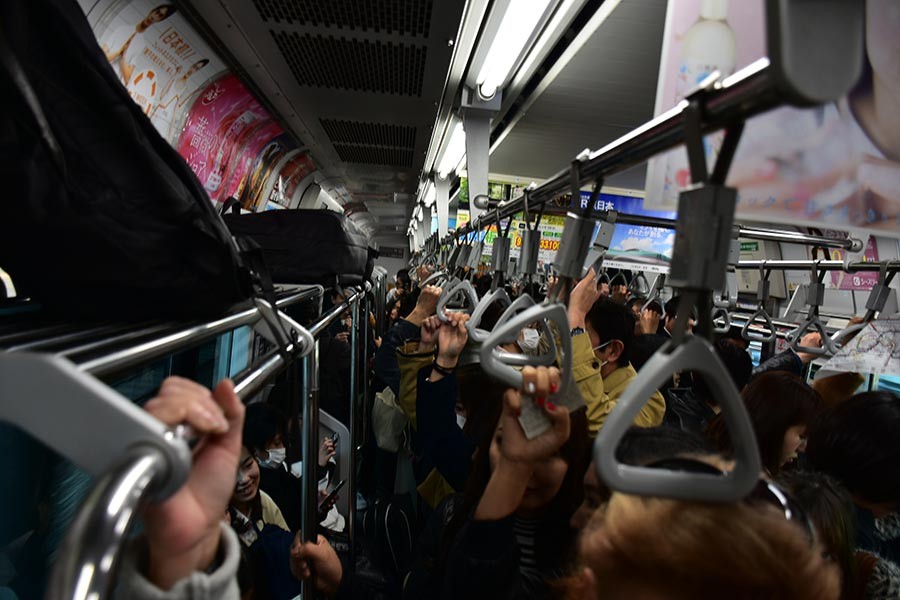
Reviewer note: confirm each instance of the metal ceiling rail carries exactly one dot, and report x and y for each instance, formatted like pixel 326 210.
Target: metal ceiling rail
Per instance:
pixel 749 92
pixel 820 265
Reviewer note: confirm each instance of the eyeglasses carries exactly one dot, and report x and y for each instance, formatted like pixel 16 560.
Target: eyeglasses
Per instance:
pixel 765 491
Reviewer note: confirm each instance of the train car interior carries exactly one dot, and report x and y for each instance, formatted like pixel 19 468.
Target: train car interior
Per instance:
pixel 450 299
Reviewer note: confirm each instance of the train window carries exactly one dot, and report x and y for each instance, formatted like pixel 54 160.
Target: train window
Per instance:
pixel 888 383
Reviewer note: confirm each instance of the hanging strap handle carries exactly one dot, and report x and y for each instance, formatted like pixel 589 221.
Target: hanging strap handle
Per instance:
pixel 655 290
pixel 498 295
pixel 876 302
pixel 465 290
pixel 697 355
pixel 815 296
pixel 762 297
pixel 501 364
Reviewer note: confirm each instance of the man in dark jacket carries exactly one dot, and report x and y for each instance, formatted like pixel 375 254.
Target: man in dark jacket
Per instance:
pixel 789 360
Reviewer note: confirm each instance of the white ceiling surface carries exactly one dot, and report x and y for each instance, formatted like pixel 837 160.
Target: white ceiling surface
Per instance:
pixel 340 49
pixel 606 90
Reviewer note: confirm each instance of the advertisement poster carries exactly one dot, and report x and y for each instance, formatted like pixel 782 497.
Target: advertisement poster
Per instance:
pixel 840 280
pixel 838 164
pixel 286 183
pixel 246 156
pixel 158 56
pixel 635 247
pixel 263 165
pixel 221 117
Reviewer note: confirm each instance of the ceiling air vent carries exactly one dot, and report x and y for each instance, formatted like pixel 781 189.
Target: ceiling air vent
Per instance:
pixel 359 65
pixel 371 143
pixel 400 17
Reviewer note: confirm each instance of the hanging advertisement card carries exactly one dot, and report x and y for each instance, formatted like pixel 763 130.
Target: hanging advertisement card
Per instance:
pixel 837 164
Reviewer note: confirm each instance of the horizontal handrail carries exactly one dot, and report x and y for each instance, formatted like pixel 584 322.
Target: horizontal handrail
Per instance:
pixel 333 313
pixel 821 265
pixel 184 338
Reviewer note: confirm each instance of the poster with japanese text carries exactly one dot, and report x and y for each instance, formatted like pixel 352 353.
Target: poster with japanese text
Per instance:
pixel 836 164
pixel 157 55
pixel 221 118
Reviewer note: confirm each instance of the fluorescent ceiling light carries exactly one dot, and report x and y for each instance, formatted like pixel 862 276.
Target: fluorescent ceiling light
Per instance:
pixel 430 195
pixel 454 151
pixel 516 28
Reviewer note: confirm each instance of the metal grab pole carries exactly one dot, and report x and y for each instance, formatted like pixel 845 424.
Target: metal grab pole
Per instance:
pixel 309 516
pixel 364 371
pixel 821 265
pixel 354 430
pixel 91 550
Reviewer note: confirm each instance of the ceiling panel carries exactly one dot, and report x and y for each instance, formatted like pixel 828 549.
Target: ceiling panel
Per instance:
pixel 358 81
pixel 606 90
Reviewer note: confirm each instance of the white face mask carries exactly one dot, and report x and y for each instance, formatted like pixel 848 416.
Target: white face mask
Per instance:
pixel 600 347
pixel 276 457
pixel 460 421
pixel 529 340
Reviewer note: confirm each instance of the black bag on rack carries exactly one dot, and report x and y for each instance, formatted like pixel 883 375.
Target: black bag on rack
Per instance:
pixel 102 218
pixel 308 246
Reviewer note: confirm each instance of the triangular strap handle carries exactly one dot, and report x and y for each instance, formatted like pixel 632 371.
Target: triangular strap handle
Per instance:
pixel 498 295
pixel 520 305
pixel 435 278
pixel 697 355
pixel 639 285
pixel 812 323
pixel 722 313
pixel 655 290
pixel 501 364
pixel 463 288
pixel 752 336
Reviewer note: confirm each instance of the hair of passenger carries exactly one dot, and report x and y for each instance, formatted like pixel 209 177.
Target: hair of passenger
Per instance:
pixel 775 402
pixel 408 303
pixel 830 508
pixel 403 276
pixel 643 347
pixel 738 364
pixel 261 422
pixel 671 307
pixel 857 442
pixel 644 445
pixel 635 300
pixel 612 321
pixel 682 550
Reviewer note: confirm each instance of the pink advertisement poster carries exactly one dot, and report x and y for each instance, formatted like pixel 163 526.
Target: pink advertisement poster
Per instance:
pixel 836 165
pixel 239 169
pixel 252 196
pixel 840 280
pixel 223 114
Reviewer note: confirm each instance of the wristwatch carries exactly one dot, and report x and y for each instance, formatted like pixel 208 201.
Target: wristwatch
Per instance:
pixel 576 331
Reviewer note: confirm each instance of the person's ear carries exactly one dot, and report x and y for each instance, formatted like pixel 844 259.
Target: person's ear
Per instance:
pixel 615 349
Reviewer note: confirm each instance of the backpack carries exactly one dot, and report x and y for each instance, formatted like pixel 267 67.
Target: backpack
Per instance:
pixel 388 527
pixel 103 218
pixel 308 246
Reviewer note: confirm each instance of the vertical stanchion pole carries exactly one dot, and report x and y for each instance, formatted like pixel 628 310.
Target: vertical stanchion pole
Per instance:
pixel 309 519
pixel 364 371
pixel 354 433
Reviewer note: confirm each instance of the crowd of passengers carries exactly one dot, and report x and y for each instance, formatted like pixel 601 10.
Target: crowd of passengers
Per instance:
pixel 498 515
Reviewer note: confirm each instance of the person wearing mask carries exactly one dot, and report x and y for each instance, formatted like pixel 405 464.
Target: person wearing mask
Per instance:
pixel 857 442
pixel 781 406
pixel 406 330
pixel 602 333
pixel 264 434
